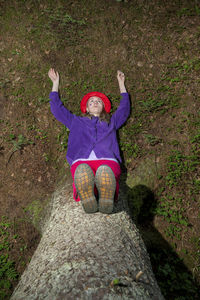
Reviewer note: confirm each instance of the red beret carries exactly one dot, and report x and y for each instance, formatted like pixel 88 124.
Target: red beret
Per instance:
pixel 106 101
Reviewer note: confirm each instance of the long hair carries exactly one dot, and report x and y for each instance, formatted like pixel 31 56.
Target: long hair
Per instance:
pixel 104 116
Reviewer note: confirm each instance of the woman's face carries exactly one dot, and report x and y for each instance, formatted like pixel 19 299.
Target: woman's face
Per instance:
pixel 95 106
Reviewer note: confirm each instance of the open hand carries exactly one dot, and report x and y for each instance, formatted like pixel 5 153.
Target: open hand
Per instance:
pixel 120 76
pixel 53 75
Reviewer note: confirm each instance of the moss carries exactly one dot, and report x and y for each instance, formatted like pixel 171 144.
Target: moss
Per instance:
pixel 145 174
pixel 36 211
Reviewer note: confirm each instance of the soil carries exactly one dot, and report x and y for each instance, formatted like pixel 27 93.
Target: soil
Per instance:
pixel 150 43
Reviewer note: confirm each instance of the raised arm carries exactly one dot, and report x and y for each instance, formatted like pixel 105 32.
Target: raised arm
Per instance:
pixel 54 76
pixel 121 114
pixel 60 112
pixel 121 81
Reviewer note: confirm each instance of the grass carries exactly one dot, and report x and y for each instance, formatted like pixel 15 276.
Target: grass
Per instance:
pixel 14 252
pixel 18 144
pixel 179 166
pixel 86 38
pixel 8 272
pixel 172 276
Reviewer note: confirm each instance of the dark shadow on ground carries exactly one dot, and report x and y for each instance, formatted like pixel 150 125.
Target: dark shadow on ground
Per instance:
pixel 173 277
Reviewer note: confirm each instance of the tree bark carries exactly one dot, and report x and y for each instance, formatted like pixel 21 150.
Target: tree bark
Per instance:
pixel 88 256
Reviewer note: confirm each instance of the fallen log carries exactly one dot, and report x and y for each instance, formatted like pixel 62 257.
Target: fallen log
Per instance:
pixel 88 256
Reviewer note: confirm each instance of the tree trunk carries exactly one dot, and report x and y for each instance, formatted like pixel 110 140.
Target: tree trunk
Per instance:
pixel 88 256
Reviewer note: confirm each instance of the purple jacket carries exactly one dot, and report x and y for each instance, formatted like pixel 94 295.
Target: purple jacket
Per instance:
pixel 91 134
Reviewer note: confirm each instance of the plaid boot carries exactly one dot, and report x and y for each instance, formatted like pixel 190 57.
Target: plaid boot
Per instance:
pixel 84 182
pixel 106 184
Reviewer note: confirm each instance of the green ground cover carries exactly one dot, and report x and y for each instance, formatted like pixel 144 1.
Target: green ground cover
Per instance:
pixel 156 44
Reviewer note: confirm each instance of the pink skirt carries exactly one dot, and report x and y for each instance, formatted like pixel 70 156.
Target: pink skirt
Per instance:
pixel 94 165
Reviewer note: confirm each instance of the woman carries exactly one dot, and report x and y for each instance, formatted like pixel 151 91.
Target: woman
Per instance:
pixel 93 150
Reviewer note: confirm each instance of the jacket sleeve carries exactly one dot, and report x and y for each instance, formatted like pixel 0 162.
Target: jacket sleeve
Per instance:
pixel 60 112
pixel 123 111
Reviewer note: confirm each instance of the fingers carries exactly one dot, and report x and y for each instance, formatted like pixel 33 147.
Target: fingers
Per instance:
pixel 120 75
pixel 53 75
pixel 51 72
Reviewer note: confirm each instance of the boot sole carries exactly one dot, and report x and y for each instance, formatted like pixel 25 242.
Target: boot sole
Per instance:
pixel 106 184
pixel 84 182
